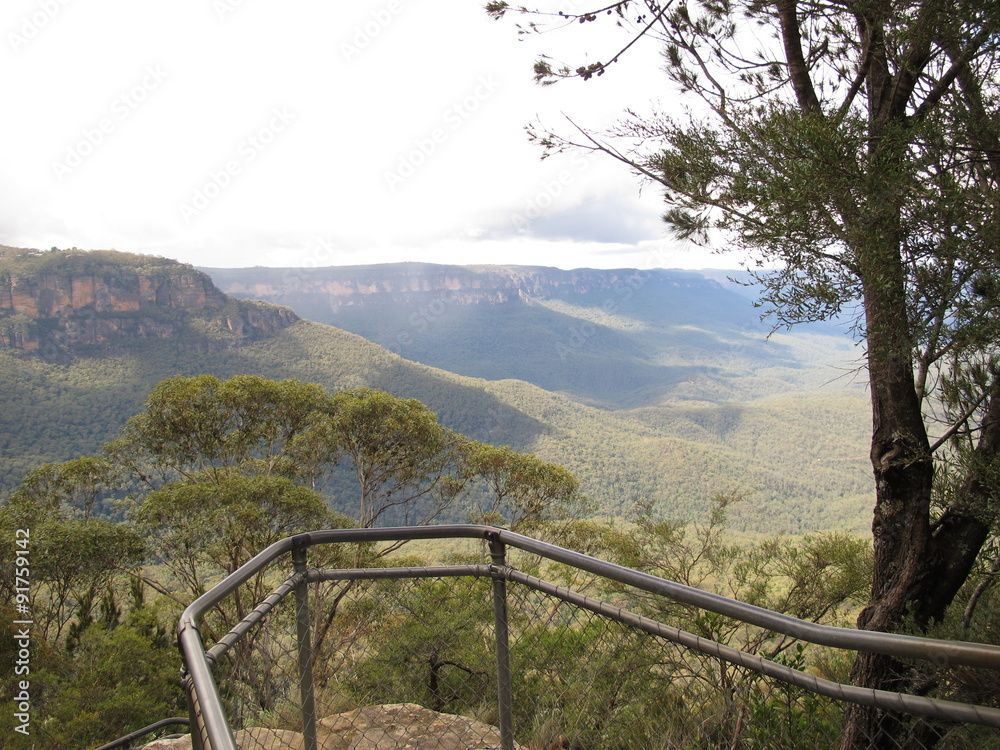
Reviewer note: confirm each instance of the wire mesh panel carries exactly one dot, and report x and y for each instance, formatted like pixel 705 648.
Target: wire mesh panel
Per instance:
pixel 586 680
pixel 413 661
pixel 257 676
pixel 582 681
pixel 397 664
pixel 424 641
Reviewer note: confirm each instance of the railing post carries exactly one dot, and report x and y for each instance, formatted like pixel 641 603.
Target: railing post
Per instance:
pixel 305 645
pixel 504 695
pixel 194 713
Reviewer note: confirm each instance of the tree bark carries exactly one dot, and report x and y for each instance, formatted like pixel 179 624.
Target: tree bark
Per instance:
pixel 903 471
pixel 919 567
pixel 914 575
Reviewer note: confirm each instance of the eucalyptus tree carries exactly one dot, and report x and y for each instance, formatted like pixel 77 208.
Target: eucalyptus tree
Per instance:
pixel 211 472
pixel 851 148
pixel 407 464
pixel 201 428
pixel 522 490
pixel 216 471
pixel 410 469
pixel 57 556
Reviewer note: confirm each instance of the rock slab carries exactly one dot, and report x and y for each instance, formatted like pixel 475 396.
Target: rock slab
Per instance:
pixel 399 726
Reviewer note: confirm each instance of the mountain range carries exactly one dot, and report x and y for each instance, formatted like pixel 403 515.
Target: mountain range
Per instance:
pixel 658 389
pixel 610 338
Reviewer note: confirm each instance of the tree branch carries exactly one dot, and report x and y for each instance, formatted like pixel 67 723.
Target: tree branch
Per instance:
pixel 798 70
pixel 964 419
pixel 984 584
pixel 958 64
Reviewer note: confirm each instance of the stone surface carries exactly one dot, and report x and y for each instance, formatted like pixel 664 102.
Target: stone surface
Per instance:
pixel 86 299
pixel 404 726
pixel 180 743
pixel 399 726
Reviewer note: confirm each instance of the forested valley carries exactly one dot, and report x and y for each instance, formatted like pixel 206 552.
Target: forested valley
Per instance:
pixel 212 471
pixel 158 434
pixel 156 456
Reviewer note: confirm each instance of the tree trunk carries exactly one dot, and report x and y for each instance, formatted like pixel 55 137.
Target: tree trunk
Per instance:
pixel 918 567
pixel 901 462
pixel 962 530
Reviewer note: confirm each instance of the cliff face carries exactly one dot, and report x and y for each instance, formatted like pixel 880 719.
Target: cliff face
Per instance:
pixel 347 287
pixel 70 298
pixel 55 296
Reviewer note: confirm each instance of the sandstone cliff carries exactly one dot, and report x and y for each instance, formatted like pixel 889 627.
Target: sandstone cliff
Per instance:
pixel 59 300
pixel 377 286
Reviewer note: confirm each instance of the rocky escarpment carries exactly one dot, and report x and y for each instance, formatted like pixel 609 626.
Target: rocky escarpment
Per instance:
pixel 59 300
pixel 341 288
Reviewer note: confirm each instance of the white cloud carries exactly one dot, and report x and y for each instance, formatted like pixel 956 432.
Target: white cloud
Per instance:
pixel 398 134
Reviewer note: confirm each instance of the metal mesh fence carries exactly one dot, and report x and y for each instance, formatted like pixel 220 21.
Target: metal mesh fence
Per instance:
pixel 412 663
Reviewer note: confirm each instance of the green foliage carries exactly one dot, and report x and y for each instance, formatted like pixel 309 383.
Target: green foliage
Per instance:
pixel 72 558
pixel 26 263
pixel 819 577
pixel 428 648
pixel 581 680
pixel 855 166
pixel 72 488
pixel 246 424
pixel 200 530
pixel 781 715
pixel 215 467
pixel 796 451
pixel 618 339
pixel 119 677
pixel 587 684
pixel 524 490
pixel 213 471
pixel 405 462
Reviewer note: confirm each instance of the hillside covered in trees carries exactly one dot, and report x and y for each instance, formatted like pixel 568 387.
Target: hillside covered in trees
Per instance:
pixel 155 465
pixel 799 454
pixel 209 472
pixel 205 476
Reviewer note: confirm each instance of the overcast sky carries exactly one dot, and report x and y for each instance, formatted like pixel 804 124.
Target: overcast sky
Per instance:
pixel 252 132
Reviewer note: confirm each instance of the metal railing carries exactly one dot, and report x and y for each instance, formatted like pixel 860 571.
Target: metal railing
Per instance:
pixel 211 726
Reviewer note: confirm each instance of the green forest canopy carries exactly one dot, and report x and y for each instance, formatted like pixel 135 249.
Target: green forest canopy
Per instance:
pixel 211 471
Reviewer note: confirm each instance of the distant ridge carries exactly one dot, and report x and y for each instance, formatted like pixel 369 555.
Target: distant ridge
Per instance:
pixel 614 338
pixel 374 285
